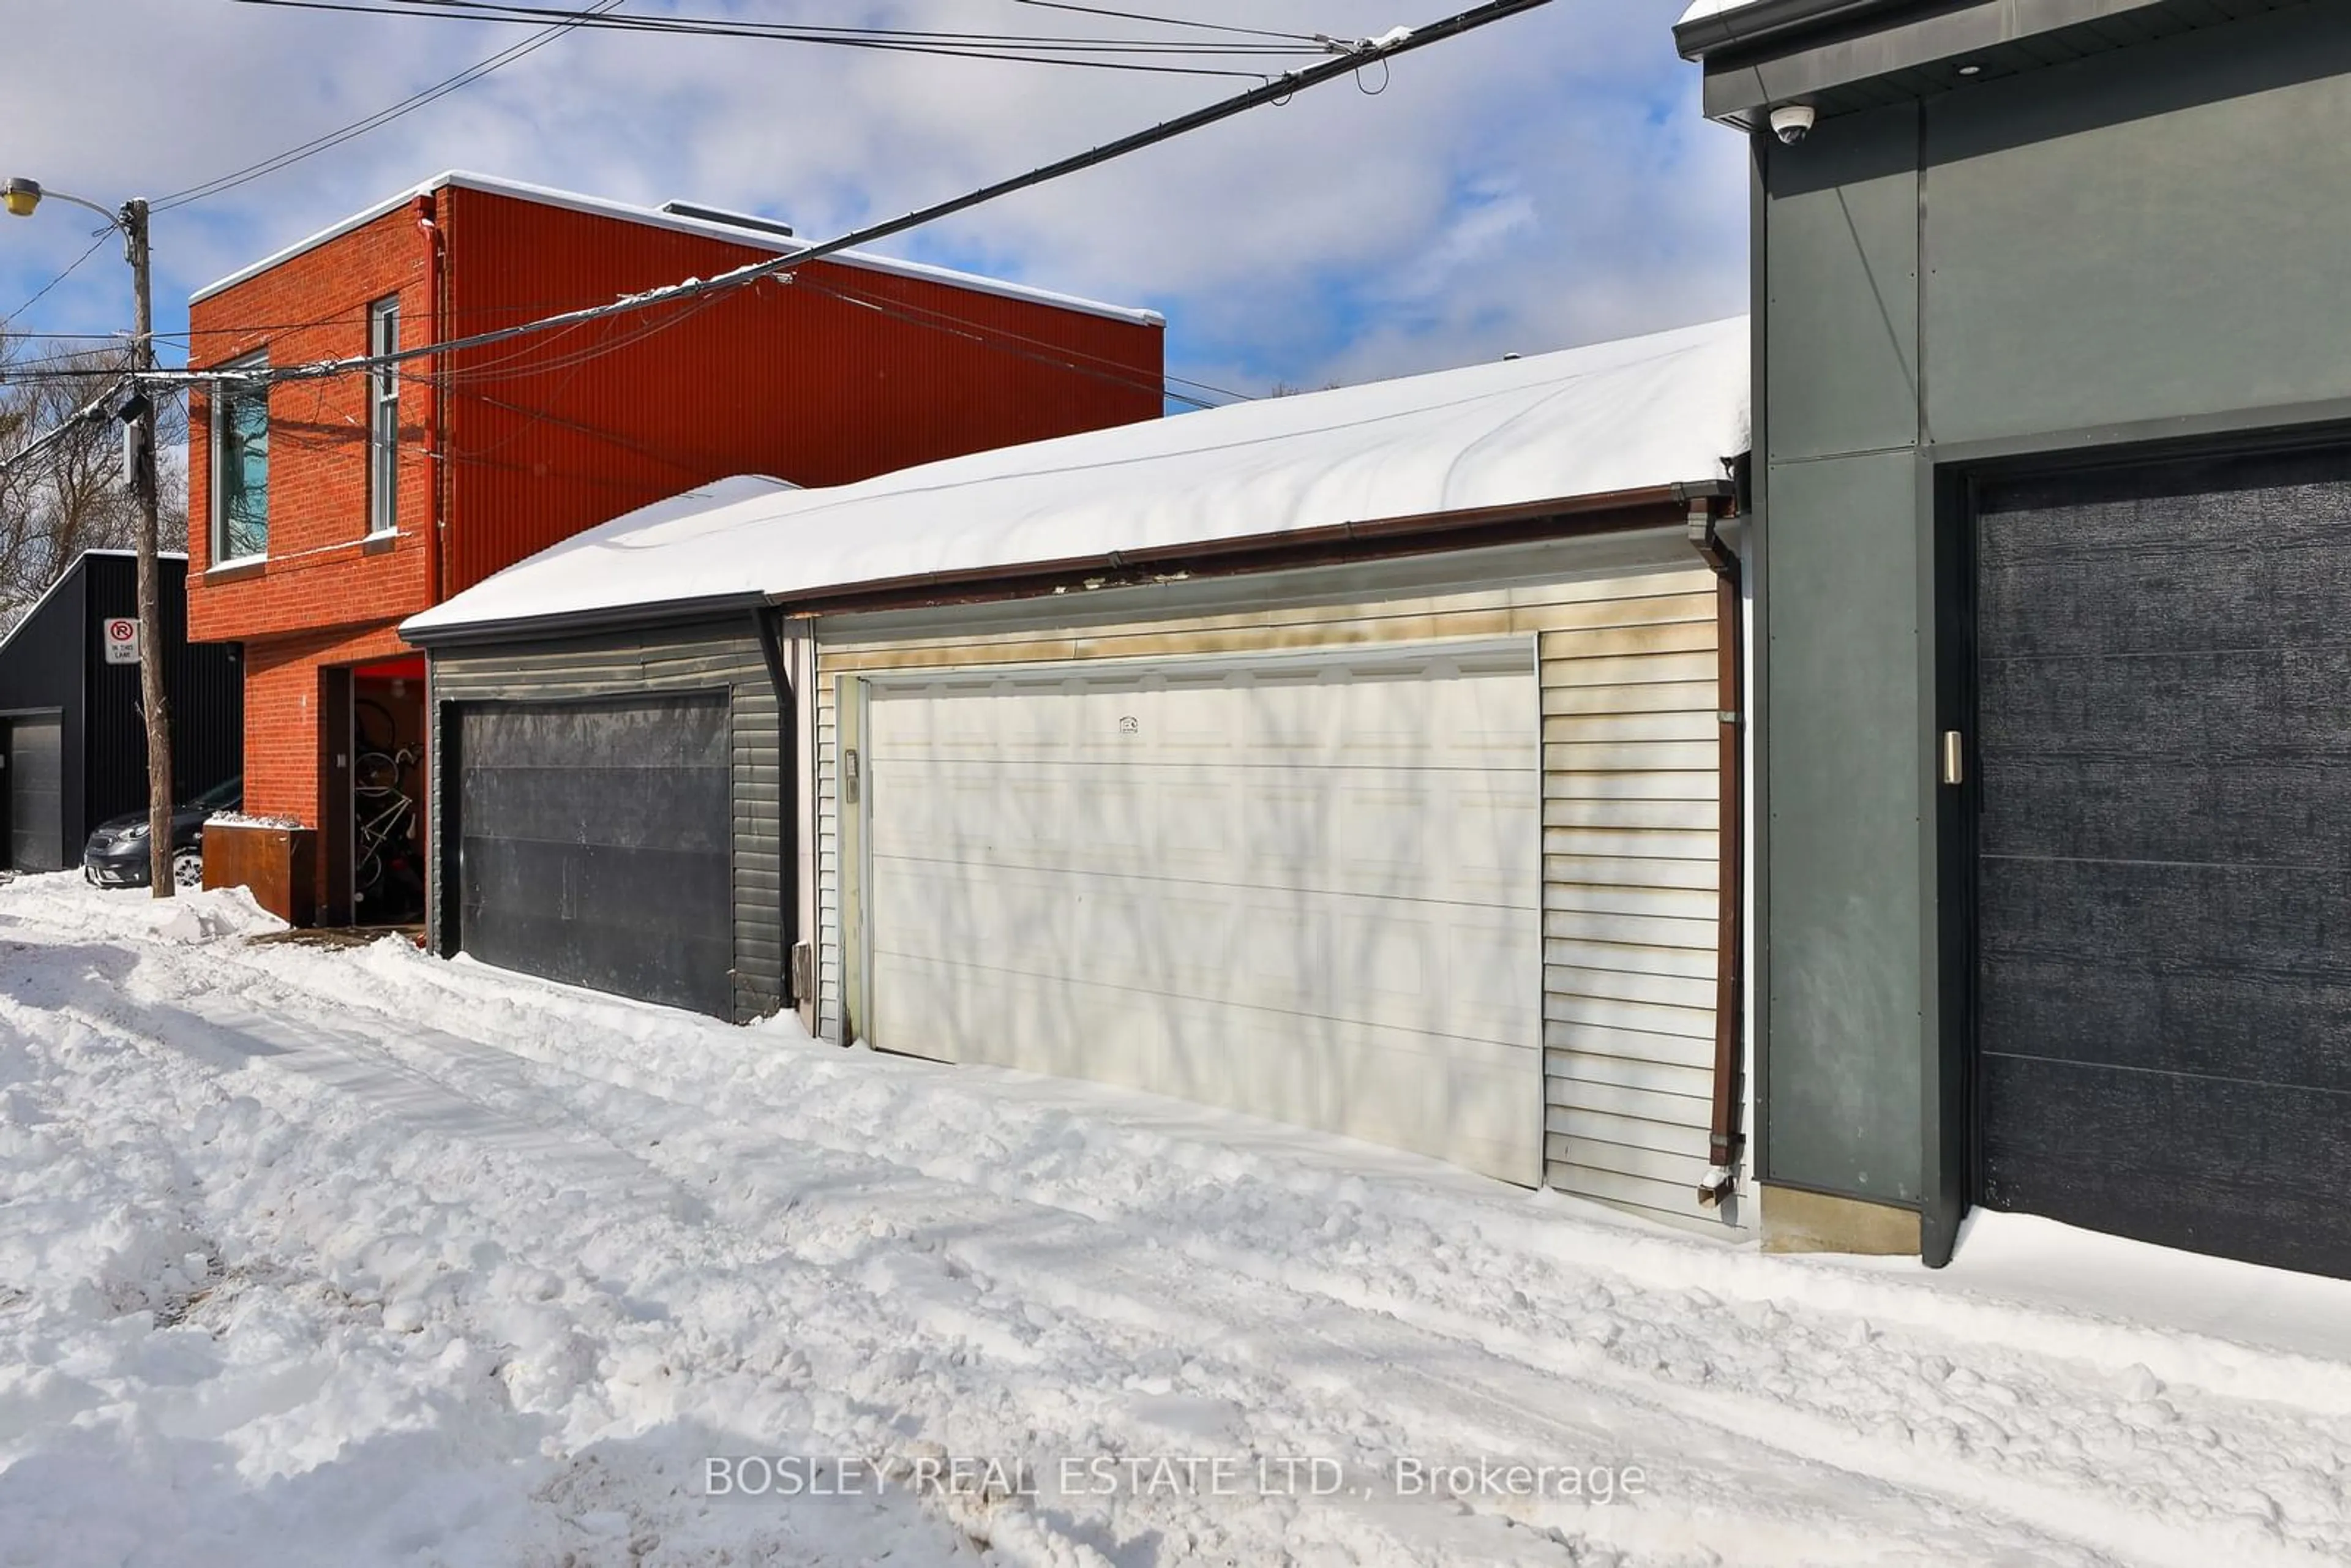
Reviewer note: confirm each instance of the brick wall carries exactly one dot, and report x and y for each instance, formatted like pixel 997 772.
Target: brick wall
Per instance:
pixel 854 373
pixel 320 574
pixel 282 693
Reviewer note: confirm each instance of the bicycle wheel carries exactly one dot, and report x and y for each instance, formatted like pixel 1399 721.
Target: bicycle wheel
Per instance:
pixel 376 772
pixel 372 727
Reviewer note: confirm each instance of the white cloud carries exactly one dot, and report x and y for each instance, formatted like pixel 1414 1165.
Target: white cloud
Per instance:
pixel 1548 180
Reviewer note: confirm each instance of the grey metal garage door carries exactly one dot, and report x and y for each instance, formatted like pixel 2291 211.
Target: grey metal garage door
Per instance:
pixel 2164 875
pixel 593 844
pixel 35 794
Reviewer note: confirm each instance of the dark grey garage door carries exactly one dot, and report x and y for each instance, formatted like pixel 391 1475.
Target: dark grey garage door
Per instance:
pixel 2164 937
pixel 35 794
pixel 593 843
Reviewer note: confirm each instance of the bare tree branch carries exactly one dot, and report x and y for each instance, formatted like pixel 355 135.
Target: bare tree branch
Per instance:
pixel 74 497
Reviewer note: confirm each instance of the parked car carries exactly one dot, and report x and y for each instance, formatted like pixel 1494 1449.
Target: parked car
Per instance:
pixel 116 855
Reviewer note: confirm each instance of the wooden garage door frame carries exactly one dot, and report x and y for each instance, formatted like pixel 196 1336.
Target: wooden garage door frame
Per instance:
pixel 850 705
pixel 1959 1123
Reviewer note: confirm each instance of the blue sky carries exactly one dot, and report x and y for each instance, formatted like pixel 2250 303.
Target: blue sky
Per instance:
pixel 1545 182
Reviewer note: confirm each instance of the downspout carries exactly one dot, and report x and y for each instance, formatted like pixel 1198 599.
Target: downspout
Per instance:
pixel 438 881
pixel 1725 1140
pixel 436 438
pixel 788 786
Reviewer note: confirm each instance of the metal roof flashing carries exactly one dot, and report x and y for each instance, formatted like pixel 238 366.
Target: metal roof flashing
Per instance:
pixel 1712 26
pixel 1839 56
pixel 653 217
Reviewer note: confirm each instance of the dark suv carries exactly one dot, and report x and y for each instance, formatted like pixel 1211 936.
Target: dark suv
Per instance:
pixel 116 855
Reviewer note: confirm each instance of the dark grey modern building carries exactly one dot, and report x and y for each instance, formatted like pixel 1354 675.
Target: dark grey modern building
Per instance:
pixel 73 744
pixel 2054 468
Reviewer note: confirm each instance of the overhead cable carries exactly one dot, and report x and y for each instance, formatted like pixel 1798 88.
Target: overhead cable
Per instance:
pixel 382 116
pixel 1093 53
pixel 1400 41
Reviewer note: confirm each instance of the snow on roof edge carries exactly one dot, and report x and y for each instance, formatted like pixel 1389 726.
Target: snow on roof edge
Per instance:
pixel 1635 415
pixel 601 206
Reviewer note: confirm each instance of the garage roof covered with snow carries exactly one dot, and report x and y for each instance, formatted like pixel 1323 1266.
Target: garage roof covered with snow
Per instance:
pixel 1624 418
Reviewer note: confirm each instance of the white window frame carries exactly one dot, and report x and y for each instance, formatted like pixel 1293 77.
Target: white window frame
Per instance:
pixel 221 394
pixel 383 421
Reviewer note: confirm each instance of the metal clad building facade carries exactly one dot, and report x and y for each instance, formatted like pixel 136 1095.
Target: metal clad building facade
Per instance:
pixel 2049 404
pixel 505 449
pixel 845 371
pixel 52 669
pixel 201 683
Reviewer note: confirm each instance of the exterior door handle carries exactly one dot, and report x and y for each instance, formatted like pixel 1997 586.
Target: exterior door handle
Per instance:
pixel 1955 765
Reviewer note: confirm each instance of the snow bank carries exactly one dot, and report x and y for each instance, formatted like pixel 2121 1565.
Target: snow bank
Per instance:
pixel 1614 417
pixel 362 1257
pixel 65 901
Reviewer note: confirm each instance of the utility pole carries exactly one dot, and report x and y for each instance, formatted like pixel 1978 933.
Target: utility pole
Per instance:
pixel 152 698
pixel 20 196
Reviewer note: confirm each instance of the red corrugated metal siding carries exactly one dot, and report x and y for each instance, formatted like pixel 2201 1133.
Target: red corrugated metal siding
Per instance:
pixel 805 380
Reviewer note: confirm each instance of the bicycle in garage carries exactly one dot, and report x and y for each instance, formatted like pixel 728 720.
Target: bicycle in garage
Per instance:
pixel 387 862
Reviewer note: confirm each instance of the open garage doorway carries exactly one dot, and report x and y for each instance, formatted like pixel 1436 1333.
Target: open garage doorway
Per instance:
pixel 385 844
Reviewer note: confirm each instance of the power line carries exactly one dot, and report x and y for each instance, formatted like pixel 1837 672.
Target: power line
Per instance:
pixel 1402 40
pixel 1033 350
pixel 1079 53
pixel 1177 21
pixel 383 117
pixel 510 10
pixel 64 428
pixel 63 367
pixel 75 266
pixel 1399 41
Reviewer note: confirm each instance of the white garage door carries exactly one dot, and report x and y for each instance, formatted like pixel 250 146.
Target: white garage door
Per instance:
pixel 1307 890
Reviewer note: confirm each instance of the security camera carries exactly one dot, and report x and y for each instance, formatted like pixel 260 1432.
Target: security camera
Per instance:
pixel 1791 122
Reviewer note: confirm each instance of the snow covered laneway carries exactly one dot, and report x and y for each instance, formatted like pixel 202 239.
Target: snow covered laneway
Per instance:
pixel 359 1257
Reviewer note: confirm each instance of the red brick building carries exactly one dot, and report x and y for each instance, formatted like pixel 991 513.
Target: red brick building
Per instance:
pixel 323 512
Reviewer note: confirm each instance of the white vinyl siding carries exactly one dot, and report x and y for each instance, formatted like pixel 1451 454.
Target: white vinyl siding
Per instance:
pixel 1627 726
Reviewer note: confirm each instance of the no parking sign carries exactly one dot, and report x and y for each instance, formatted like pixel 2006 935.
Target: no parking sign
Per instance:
pixel 121 635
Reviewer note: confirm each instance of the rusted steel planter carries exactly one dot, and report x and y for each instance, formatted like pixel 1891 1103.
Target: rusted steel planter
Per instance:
pixel 278 865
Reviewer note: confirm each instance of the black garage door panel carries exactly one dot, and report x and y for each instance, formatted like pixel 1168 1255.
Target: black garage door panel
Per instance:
pixel 2225 986
pixel 594 842
pixel 2164 881
pixel 2248 1170
pixel 683 808
pixel 36 794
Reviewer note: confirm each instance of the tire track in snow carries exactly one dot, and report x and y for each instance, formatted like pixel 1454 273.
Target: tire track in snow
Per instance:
pixel 2155 1463
pixel 1221 1291
pixel 1471 1402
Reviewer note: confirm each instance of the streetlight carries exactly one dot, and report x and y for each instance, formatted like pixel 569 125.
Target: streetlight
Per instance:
pixel 21 196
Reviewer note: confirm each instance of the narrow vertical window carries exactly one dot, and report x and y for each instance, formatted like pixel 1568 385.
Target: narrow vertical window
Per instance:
pixel 383 420
pixel 241 465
